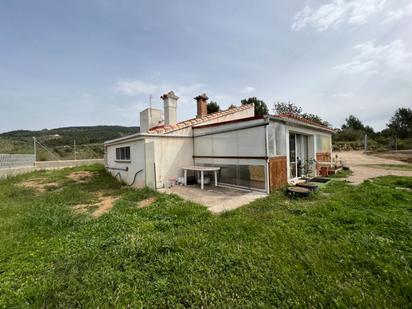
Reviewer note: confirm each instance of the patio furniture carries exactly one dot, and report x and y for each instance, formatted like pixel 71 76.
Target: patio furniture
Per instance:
pixel 201 169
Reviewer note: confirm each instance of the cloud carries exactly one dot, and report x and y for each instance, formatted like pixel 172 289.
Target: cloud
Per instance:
pixel 336 12
pixel 135 87
pixel 248 89
pixel 399 13
pixel 140 87
pixel 372 58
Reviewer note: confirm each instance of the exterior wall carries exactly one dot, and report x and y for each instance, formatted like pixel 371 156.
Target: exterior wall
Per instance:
pixel 278 144
pixel 137 162
pixel 171 154
pixel 149 118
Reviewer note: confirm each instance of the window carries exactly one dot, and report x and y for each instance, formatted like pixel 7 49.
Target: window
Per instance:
pixel 123 154
pixel 249 176
pixel 323 143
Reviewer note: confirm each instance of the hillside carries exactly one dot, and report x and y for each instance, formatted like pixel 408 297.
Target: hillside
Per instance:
pixel 60 141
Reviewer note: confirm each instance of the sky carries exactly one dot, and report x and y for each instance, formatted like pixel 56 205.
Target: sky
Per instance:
pixel 91 62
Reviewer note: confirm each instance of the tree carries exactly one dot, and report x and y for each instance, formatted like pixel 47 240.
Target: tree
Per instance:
pixel 289 108
pixel 260 106
pixel 213 107
pixel 282 108
pixel 353 122
pixel 400 124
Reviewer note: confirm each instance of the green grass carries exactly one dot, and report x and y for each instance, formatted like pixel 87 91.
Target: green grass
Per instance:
pixel 399 167
pixel 347 246
pixel 341 174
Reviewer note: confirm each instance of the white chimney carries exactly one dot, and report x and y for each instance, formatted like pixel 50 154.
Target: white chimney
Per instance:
pixel 170 105
pixel 149 118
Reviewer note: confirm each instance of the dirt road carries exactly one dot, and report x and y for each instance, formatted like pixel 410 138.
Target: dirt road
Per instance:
pixel 358 163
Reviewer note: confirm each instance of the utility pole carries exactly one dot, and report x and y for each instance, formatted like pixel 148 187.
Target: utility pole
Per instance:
pixel 34 149
pixel 74 148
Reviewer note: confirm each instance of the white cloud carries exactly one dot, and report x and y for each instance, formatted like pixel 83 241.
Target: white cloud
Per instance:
pixel 248 89
pixel 372 58
pixel 135 87
pixel 336 12
pixel 398 13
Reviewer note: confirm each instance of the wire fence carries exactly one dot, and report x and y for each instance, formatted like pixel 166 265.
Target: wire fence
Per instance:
pixel 16 160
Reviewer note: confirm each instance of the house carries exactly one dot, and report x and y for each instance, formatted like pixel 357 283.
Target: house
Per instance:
pixel 255 152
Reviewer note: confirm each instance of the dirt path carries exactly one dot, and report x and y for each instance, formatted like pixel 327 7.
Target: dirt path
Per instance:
pixel 358 162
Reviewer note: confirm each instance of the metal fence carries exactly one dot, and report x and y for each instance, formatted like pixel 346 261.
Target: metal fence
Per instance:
pixel 16 160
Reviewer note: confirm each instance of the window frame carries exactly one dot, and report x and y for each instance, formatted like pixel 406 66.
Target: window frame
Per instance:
pixel 123 154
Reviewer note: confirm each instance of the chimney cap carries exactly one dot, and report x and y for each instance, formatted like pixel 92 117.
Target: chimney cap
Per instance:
pixel 170 94
pixel 202 96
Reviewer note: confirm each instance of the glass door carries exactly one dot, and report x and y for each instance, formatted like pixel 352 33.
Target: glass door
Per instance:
pixel 298 154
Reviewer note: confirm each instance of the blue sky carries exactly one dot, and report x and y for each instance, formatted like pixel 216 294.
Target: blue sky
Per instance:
pixel 89 62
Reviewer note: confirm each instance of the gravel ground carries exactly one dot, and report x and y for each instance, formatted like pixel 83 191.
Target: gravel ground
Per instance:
pixel 357 161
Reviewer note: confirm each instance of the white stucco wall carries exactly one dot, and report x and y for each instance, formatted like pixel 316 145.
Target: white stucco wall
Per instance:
pixel 137 162
pixel 171 154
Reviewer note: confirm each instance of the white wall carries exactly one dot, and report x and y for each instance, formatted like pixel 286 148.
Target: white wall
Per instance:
pixel 137 162
pixel 171 154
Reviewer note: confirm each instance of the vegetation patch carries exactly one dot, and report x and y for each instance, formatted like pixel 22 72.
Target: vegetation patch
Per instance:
pixel 81 176
pixel 346 246
pixel 398 167
pixel 38 185
pixel 341 174
pixel 147 202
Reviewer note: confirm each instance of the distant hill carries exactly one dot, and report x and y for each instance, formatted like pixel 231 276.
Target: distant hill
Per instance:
pixel 60 141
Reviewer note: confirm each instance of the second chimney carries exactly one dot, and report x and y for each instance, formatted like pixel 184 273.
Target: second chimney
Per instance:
pixel 170 105
pixel 201 105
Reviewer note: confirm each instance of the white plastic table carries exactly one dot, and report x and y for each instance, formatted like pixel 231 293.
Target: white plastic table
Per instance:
pixel 201 169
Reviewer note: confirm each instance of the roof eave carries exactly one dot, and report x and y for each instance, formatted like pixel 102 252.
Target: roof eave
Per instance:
pixel 293 121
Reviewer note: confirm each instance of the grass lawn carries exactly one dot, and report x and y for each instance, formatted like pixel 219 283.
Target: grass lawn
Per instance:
pixel 399 167
pixel 347 246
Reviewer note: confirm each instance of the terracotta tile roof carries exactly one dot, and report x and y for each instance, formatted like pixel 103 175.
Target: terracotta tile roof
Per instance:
pixel 196 121
pixel 303 120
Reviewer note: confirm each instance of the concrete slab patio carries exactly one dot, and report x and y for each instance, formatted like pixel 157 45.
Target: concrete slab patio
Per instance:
pixel 216 199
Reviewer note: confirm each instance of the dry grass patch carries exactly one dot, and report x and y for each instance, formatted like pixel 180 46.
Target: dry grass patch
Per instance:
pixel 147 202
pixel 82 176
pixel 104 204
pixel 38 185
